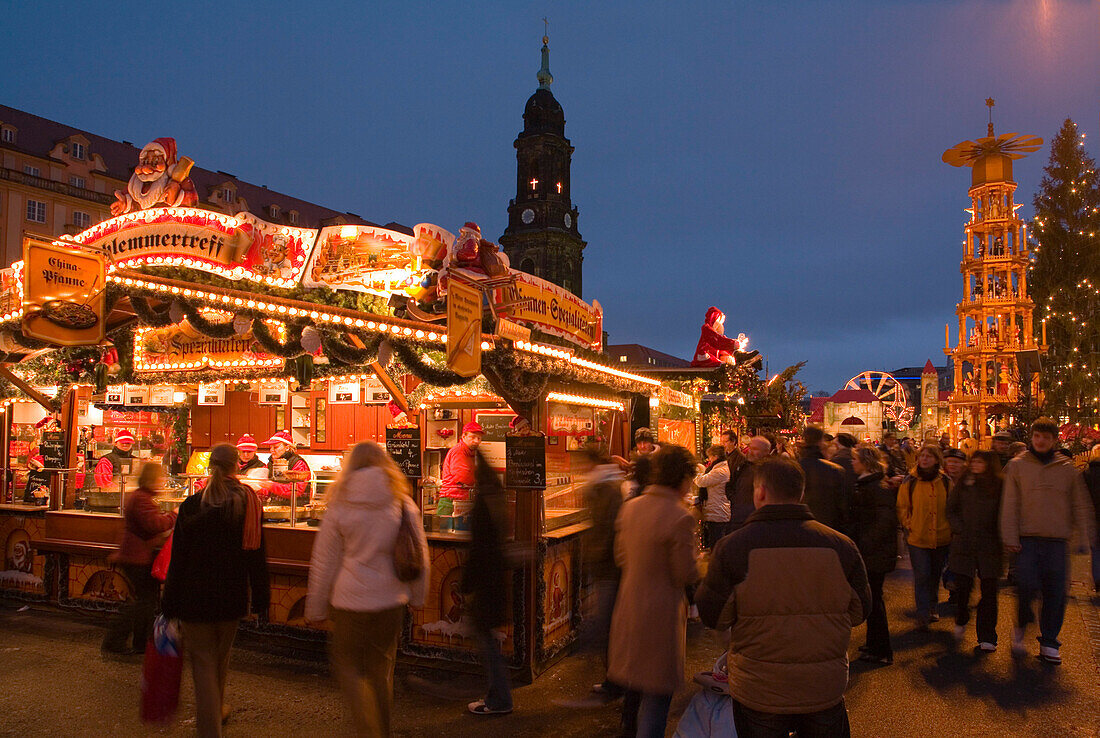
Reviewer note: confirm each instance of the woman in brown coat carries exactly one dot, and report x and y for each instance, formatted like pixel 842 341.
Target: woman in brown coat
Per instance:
pixel 655 549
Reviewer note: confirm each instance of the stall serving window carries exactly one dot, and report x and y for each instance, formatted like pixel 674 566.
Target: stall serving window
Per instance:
pixel 569 428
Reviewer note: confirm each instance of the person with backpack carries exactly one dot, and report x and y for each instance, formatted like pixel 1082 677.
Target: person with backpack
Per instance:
pixel 922 512
pixel 354 583
pixel 973 511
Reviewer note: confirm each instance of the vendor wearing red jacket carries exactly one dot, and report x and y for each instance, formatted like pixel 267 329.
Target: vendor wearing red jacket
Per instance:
pixel 282 447
pixel 458 466
pixel 247 447
pixel 111 462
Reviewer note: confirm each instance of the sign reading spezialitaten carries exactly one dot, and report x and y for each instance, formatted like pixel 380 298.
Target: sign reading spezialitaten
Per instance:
pixel 551 309
pixel 63 295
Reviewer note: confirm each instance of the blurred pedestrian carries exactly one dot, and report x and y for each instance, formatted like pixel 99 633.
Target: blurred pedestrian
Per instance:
pixel 353 582
pixel 218 561
pixel 1092 481
pixel 973 510
pixel 896 465
pixel 603 499
pixel 954 464
pixel 790 590
pixel 711 481
pixel 741 466
pixel 845 443
pixel 1045 499
pixel 484 577
pixel 825 493
pixel 1002 441
pixel 143 527
pixel 655 549
pixel 922 511
pixel 875 523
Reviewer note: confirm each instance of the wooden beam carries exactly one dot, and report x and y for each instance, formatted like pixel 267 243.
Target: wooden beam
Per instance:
pixel 31 392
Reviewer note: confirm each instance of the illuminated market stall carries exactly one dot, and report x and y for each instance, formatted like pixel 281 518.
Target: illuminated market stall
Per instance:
pixel 168 330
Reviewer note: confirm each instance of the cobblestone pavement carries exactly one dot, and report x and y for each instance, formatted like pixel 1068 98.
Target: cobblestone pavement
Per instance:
pixel 54 682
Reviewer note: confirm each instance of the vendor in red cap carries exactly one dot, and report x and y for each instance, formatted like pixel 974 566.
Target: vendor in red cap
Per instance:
pixel 283 447
pixel 111 462
pixel 246 448
pixel 458 466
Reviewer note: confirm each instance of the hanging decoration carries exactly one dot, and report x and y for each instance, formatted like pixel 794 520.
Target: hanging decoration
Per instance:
pixel 311 340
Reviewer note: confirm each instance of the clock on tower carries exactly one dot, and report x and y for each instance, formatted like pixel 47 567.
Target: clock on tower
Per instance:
pixel 542 236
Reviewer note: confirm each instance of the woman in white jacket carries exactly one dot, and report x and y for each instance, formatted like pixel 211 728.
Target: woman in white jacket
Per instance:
pixel 353 584
pixel 716 511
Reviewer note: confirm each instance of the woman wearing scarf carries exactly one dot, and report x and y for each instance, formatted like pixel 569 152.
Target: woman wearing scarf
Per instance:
pixel 217 559
pixel 922 511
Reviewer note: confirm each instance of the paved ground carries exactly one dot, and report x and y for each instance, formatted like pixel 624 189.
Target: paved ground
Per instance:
pixel 54 682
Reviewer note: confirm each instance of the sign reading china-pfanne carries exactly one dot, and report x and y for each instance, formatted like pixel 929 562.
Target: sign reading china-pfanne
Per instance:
pixel 544 305
pixel 63 295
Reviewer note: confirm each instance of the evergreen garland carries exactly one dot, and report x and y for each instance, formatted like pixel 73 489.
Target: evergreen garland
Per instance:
pixel 423 371
pixel 148 316
pixel 336 349
pixel 289 350
pixel 208 328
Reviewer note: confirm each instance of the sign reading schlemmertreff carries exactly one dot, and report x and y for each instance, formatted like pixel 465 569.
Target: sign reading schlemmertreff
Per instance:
pixel 63 295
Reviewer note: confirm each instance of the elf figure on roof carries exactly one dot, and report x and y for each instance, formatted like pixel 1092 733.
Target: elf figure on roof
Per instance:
pixel 283 447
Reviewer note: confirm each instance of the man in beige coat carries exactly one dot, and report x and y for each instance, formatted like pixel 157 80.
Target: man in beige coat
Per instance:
pixel 1044 499
pixel 655 549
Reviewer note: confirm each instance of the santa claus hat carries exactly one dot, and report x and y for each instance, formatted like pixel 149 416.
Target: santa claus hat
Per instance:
pixel 473 227
pixel 124 436
pixel 514 422
pixel 472 427
pixel 247 443
pixel 39 458
pixel 280 437
pixel 713 315
pixel 166 146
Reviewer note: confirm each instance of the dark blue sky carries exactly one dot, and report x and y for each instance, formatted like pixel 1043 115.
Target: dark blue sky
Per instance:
pixel 779 160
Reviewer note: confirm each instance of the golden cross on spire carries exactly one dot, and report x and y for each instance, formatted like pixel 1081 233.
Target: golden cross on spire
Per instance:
pixel 546 30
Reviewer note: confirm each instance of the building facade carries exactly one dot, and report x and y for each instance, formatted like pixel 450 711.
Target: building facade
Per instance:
pixel 542 236
pixel 57 180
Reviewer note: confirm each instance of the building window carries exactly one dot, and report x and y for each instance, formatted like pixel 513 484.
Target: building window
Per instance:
pixel 77 182
pixel 33 171
pixel 81 220
pixel 274 209
pixel 36 211
pixel 622 359
pixel 292 216
pixel 77 150
pixel 227 195
pixel 8 135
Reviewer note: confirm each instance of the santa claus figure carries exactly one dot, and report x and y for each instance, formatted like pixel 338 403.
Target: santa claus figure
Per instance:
pixel 714 347
pixel 158 179
pixel 471 251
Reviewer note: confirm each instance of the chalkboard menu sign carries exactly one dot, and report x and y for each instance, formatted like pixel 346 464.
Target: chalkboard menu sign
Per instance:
pixel 495 423
pixel 404 446
pixel 52 448
pixel 525 462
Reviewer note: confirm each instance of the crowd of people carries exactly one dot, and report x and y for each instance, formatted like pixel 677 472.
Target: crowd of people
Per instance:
pixel 795 544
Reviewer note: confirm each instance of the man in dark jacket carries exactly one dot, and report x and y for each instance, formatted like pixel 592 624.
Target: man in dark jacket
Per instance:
pixel 826 494
pixel 845 443
pixel 790 590
pixel 739 486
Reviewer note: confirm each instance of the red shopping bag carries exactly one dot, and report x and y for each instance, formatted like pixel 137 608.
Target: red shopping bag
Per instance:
pixel 160 563
pixel 160 673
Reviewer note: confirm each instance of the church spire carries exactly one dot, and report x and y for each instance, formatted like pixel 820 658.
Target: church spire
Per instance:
pixel 544 76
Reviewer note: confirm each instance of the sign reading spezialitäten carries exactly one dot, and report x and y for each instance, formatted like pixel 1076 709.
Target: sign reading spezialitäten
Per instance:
pixel 63 296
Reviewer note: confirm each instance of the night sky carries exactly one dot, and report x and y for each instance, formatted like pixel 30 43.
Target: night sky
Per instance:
pixel 778 160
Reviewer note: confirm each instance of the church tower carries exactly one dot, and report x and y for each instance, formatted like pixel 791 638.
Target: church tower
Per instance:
pixel 542 236
pixel 996 335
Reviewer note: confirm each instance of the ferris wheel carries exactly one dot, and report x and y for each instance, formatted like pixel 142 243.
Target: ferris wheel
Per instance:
pixel 889 391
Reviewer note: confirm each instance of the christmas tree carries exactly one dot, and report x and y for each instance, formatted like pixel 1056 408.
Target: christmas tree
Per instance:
pixel 1065 277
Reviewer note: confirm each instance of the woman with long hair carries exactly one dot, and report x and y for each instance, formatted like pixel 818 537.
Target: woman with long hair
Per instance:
pixel 353 582
pixel 711 481
pixel 922 511
pixel 974 511
pixel 875 520
pixel 144 522
pixel 218 559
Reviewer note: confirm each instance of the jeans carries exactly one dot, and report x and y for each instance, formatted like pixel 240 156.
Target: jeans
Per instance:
pixel 364 651
pixel 645 715
pixel 135 615
pixel 828 723
pixel 499 696
pixel 927 566
pixel 713 532
pixel 987 606
pixel 606 590
pixel 1041 570
pixel 878 631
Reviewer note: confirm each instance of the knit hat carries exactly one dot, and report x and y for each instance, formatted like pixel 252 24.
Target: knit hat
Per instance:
pixel 472 427
pixel 124 436
pixel 1003 435
pixel 954 453
pixel 247 443
pixel 280 437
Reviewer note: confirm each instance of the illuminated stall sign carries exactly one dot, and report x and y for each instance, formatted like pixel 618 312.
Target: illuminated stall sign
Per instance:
pixel 63 294
pixel 675 398
pixel 237 247
pixel 180 347
pixel 360 258
pixel 551 309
